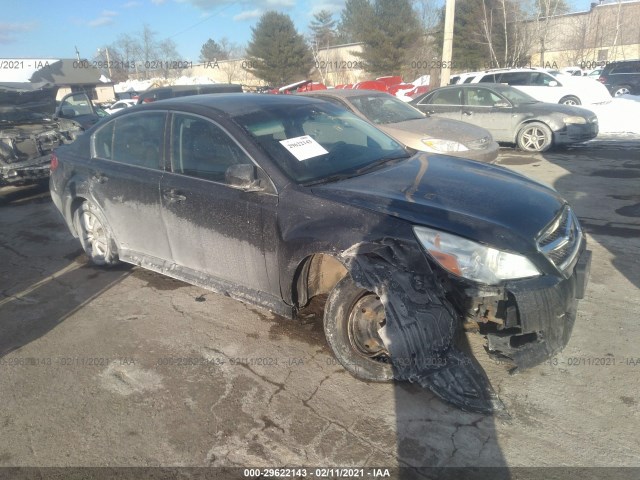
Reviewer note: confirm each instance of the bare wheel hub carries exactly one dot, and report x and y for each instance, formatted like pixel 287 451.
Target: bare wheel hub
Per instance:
pixel 365 318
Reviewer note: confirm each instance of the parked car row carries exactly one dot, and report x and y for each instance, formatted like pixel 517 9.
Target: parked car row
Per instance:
pixel 277 199
pixel 510 115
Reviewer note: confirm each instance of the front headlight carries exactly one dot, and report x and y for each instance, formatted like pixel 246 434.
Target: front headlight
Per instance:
pixel 438 145
pixel 575 120
pixel 472 260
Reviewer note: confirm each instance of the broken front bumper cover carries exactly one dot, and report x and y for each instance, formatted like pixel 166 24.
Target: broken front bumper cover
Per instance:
pixel 422 322
pixel 546 309
pixel 25 172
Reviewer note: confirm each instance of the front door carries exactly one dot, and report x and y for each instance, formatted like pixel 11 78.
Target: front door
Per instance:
pixel 214 228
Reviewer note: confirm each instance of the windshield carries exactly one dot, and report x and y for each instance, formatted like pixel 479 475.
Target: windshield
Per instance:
pixel 383 109
pixel 516 97
pixel 319 141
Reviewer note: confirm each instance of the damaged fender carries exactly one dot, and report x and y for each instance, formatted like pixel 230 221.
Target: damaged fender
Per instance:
pixel 421 325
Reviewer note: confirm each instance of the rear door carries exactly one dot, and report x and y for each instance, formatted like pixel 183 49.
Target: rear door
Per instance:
pixel 213 227
pixel 125 171
pixel 446 103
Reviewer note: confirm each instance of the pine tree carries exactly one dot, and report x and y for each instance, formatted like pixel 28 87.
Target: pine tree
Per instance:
pixel 211 51
pixel 278 53
pixel 323 29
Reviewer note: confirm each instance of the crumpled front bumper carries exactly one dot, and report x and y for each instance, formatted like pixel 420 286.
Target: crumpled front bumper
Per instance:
pixel 28 171
pixel 546 312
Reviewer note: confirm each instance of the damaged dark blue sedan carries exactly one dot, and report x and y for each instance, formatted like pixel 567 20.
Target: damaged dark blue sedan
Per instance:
pixel 275 200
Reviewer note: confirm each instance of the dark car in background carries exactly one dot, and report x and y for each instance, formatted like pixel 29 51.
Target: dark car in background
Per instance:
pixel 164 93
pixel 32 124
pixel 413 128
pixel 277 199
pixel 622 77
pixel 512 116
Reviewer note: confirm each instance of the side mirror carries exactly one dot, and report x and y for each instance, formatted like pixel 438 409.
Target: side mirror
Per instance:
pixel 553 83
pixel 502 104
pixel 243 176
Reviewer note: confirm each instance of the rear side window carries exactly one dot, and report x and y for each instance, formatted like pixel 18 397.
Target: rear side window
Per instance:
pixel 202 149
pixel 630 67
pixel 133 140
pixel 488 79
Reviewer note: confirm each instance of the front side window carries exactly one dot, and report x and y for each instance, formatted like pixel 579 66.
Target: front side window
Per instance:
pixel 132 139
pixel 447 97
pixel 481 97
pixel 200 148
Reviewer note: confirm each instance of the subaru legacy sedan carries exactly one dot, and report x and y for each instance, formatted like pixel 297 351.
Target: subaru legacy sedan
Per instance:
pixel 274 200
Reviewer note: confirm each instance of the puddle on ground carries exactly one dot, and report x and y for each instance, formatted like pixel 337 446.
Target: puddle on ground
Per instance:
pixel 629 210
pixel 158 281
pixel 615 173
pixel 518 160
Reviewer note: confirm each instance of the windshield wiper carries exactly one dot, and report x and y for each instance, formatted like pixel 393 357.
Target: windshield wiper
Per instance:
pixel 355 173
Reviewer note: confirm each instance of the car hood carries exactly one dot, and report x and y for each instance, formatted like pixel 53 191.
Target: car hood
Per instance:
pixel 481 202
pixel 433 127
pixel 542 108
pixel 22 103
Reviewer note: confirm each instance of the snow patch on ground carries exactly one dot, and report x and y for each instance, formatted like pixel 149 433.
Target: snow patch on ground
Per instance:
pixel 621 115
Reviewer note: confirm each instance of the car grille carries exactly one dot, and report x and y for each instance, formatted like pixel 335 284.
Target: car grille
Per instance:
pixel 480 143
pixel 560 241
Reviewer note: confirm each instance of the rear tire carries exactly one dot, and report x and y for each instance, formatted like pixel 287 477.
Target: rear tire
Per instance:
pixel 621 90
pixel 95 235
pixel 352 316
pixel 535 137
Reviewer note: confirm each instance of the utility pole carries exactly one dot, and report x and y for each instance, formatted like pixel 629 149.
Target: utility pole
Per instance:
pixel 447 44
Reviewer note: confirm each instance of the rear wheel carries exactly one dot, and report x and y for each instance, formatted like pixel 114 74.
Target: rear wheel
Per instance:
pixel 570 100
pixel 621 90
pixel 95 237
pixel 352 319
pixel 535 137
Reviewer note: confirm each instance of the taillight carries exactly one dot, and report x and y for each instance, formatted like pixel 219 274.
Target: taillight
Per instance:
pixel 54 162
pixel 602 79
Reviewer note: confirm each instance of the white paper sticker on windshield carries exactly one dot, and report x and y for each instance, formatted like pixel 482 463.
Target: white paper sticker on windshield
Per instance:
pixel 303 147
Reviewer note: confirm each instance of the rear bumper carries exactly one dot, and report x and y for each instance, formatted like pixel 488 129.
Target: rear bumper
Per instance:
pixel 546 312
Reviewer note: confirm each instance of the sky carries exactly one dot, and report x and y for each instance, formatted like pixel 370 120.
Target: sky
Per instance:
pixel 46 29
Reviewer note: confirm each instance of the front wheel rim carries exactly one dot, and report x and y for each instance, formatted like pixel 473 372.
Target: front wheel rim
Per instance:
pixel 534 139
pixel 365 318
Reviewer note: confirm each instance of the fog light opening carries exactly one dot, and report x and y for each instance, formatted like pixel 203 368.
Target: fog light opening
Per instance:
pixel 518 341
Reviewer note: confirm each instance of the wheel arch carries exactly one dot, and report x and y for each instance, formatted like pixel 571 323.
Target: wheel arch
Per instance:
pixel 316 274
pixel 524 123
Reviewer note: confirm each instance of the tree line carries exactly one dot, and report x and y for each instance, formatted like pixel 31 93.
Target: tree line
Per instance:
pixel 398 37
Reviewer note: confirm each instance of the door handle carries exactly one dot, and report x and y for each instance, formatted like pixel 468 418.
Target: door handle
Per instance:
pixel 174 195
pixel 99 177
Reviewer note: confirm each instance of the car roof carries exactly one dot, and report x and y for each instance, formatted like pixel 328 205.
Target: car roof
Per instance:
pixel 344 93
pixel 234 103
